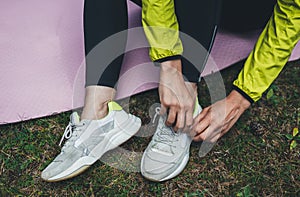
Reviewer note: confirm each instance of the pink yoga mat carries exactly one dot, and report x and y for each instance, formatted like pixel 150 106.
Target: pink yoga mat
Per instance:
pixel 41 58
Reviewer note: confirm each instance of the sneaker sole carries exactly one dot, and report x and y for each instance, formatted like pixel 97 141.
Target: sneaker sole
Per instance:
pixel 114 139
pixel 178 170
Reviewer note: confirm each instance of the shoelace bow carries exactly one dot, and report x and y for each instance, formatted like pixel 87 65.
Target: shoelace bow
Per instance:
pixel 71 131
pixel 164 136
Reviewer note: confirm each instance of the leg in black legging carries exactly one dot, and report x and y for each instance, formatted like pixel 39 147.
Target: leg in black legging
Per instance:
pixel 241 16
pixel 198 19
pixel 101 20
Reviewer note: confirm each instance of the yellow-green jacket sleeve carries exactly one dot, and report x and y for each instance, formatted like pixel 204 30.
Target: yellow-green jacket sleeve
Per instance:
pixel 161 28
pixel 272 50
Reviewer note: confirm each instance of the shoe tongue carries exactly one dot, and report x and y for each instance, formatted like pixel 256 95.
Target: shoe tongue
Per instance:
pixel 74 118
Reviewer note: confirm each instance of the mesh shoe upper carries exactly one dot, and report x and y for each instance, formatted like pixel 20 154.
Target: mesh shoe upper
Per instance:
pixel 88 140
pixel 167 153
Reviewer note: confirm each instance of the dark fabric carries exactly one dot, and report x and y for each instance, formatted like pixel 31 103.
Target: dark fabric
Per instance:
pixel 138 2
pixel 175 57
pixel 241 16
pixel 101 20
pixel 197 18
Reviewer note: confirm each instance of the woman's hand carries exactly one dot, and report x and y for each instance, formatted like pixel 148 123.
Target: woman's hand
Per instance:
pixel 216 120
pixel 177 97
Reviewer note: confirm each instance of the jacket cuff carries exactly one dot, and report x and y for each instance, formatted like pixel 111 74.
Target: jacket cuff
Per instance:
pixel 246 96
pixel 164 59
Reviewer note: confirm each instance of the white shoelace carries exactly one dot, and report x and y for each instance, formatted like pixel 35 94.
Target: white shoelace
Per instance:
pixel 164 136
pixel 69 131
pixel 157 113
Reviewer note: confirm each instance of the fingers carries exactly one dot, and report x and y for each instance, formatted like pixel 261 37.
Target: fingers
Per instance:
pixel 179 119
pixel 214 131
pixel 177 102
pixel 207 125
pixel 214 121
pixel 201 116
pixel 176 119
pixel 171 117
pixel 201 122
pixel 163 109
pixel 179 112
pixel 184 120
pixel 211 134
pixel 188 121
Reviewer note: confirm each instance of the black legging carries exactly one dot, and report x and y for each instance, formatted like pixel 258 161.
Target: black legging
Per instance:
pixel 243 16
pixel 197 18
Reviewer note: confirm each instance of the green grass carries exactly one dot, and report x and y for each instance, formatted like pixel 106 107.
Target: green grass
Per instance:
pixel 253 159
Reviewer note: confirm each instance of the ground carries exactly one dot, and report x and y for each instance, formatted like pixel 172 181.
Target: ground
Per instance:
pixel 253 159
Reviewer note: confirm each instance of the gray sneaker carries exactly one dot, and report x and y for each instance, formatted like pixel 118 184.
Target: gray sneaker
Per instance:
pixel 168 152
pixel 88 140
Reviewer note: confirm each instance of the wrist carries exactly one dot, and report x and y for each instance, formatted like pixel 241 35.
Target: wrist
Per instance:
pixel 171 65
pixel 239 99
pixel 242 92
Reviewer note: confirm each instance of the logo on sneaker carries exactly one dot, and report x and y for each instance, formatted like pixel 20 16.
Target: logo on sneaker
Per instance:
pixel 94 135
pixel 85 152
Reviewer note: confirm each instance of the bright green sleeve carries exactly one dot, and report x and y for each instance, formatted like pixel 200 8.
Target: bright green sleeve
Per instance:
pixel 272 50
pixel 161 28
